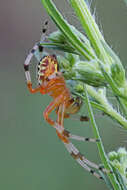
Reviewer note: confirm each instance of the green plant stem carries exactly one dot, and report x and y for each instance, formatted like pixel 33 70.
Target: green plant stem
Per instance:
pixel 108 108
pixel 90 28
pixel 100 145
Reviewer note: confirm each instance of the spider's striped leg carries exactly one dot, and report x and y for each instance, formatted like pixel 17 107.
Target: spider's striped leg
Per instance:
pixel 72 149
pixel 86 164
pixel 27 62
pixel 44 30
pixel 39 53
pixel 60 113
pixel 91 164
pixel 78 157
pixel 27 72
pixel 76 154
pixel 32 52
pixel 79 138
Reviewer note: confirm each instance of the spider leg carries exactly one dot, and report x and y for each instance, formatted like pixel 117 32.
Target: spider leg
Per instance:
pixel 83 162
pixel 27 72
pixel 78 157
pixel 54 104
pixel 72 149
pixel 36 47
pixel 59 128
pixel 27 62
pixel 44 30
pixel 47 111
pixel 59 124
pixel 76 154
pixel 61 113
pixel 79 138
pixel 38 54
pixel 30 55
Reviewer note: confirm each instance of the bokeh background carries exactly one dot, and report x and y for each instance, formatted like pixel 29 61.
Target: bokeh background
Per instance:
pixel 31 155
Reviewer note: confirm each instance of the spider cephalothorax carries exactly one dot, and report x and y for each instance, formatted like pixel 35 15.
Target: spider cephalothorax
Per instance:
pixel 46 67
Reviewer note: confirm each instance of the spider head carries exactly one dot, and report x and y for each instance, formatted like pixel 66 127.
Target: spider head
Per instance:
pixel 46 67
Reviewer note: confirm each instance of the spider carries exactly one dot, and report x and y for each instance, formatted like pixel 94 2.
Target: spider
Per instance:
pixel 52 82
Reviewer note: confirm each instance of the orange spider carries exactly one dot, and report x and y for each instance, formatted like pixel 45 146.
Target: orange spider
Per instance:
pixel 51 82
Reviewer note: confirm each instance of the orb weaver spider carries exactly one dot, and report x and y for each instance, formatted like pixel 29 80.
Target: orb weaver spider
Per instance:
pixel 51 82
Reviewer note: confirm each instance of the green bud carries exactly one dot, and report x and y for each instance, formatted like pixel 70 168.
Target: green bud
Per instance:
pixel 88 72
pixel 112 155
pixel 119 161
pixel 65 68
pixel 118 74
pixel 68 61
pixel 122 154
pixel 68 75
pixel 72 58
pixel 79 87
pixel 118 165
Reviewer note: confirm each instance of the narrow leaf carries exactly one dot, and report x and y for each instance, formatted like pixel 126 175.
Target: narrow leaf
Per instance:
pixel 60 47
pixel 66 29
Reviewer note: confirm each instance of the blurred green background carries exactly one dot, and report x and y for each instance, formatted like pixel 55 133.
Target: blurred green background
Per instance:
pixel 31 155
